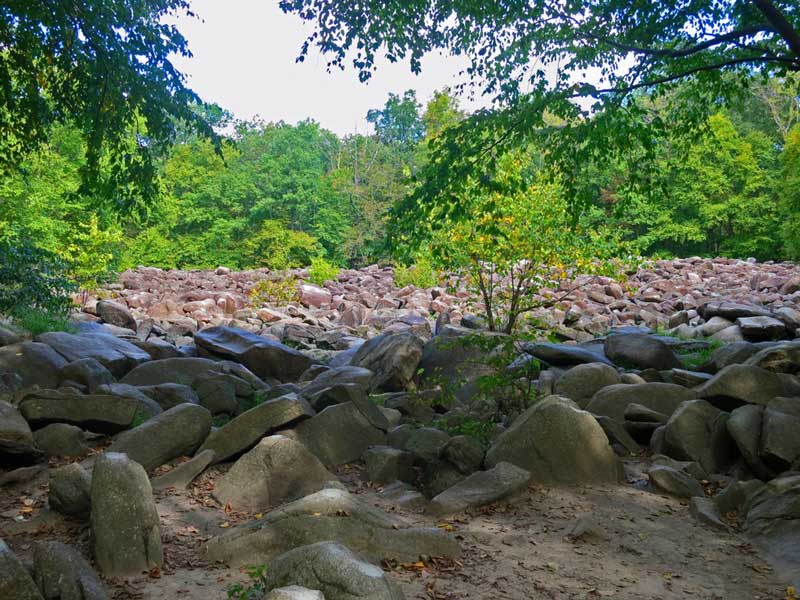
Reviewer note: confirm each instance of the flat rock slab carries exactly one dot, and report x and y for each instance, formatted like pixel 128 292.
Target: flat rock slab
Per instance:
pixel 329 515
pixel 482 487
pixel 564 355
pixel 115 354
pixel 181 476
pixel 664 398
pixel 96 412
pixel 37 364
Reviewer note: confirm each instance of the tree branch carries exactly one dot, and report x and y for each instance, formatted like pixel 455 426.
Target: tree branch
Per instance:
pixel 781 24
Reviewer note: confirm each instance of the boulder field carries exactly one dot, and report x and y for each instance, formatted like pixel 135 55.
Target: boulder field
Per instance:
pixel 351 444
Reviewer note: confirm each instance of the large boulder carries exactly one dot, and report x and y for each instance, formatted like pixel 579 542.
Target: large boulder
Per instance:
pixel 336 376
pixel 116 355
pixel 611 401
pixel 63 574
pixel 393 357
pixel 15 581
pixel 339 434
pixel 781 358
pixel 675 482
pixel 115 314
pixel 263 356
pixel 244 432
pixel 62 439
pixel 70 491
pixel 95 412
pixel 329 515
pixel 37 364
pixel 732 310
pixel 558 443
pixel 583 381
pixel 192 371
pixel 746 384
pixel 17 447
pixel 176 432
pixel 455 356
pixel 744 425
pixel 126 531
pixel 698 431
pixel 780 434
pixel 761 328
pixel 88 372
pixel 333 569
pixel 563 355
pixel 277 470
pixel 482 487
pixel 640 350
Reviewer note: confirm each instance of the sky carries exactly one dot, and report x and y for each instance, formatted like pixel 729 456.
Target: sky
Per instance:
pixel 244 60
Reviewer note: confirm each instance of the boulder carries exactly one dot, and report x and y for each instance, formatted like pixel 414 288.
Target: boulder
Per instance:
pixel 565 355
pixel 15 581
pixel 263 356
pixel 480 488
pixel 780 434
pixel 183 474
pixel 744 426
pixel 95 412
pixel 126 531
pixel 698 431
pixel 641 351
pixel 581 382
pixel 69 492
pixel 191 370
pixel 168 395
pixel 675 482
pixel 339 434
pixel 342 393
pixel 61 439
pixel 115 314
pixel 464 452
pixel 333 569
pixel 294 592
pixel 745 384
pixel 613 400
pixel 781 358
pixel 176 432
pixel 277 470
pixel 88 372
pixel 244 432
pixel 17 446
pixel 427 443
pixel 730 354
pixel 558 443
pixel 329 515
pixel 384 464
pixel 756 329
pixel 338 375
pixel 63 574
pixel 393 357
pixel 454 356
pixel 37 364
pixel 116 355
pixel 731 310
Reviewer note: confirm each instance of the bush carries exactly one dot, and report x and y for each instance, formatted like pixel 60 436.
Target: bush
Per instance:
pixel 421 274
pixel 37 321
pixel 321 271
pixel 32 279
pixel 255 589
pixel 280 290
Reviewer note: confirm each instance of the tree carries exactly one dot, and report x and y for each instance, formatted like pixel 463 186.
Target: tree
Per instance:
pixel 532 57
pixel 790 193
pixel 398 123
pixel 105 67
pixel 441 112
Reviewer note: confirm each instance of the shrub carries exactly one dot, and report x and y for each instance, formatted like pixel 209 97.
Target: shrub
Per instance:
pixel 37 321
pixel 32 279
pixel 421 274
pixel 255 589
pixel 281 289
pixel 322 270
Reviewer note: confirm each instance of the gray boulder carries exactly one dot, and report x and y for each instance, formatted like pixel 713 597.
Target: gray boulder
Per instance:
pixel 464 452
pixel 333 569
pixel 115 314
pixel 176 432
pixel 339 434
pixel 698 431
pixel 427 443
pixel 15 581
pixel 613 400
pixel 384 464
pixel 294 592
pixel 61 439
pixel 183 474
pixel 565 355
pixel 558 443
pixel 37 364
pixel 744 426
pixel 168 395
pixel 126 531
pixel 782 358
pixel 17 446
pixel 277 470
pixel 88 372
pixel 393 357
pixel 675 482
pixel 63 574
pixel 641 351
pixel 731 310
pixel 244 432
pixel 70 491
pixel 730 354
pixel 331 377
pixel 188 371
pixel 482 487
pixel 116 355
pixel 780 434
pixel 756 329
pixel 95 412
pixel 739 384
pixel 329 515
pixel 263 356
pixel 581 382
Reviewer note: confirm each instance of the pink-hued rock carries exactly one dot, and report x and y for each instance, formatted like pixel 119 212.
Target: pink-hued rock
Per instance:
pixel 313 295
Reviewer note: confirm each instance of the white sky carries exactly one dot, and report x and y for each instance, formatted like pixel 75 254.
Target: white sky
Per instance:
pixel 244 60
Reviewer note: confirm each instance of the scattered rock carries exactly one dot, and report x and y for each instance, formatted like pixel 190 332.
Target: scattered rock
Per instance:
pixel 640 351
pixel 482 487
pixel 61 439
pixel 15 581
pixel 675 482
pixel 393 357
pixel 183 474
pixel 62 573
pixel 698 431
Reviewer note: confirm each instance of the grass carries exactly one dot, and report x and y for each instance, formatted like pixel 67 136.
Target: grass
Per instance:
pixel 38 321
pixel 695 359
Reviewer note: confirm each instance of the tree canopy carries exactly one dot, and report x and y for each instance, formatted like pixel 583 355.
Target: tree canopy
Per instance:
pixel 105 67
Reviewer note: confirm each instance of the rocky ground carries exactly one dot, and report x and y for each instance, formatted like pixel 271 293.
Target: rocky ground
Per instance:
pixel 343 440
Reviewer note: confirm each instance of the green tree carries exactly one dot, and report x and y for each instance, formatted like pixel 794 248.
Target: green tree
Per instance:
pixel 790 193
pixel 105 67
pixel 398 122
pixel 441 112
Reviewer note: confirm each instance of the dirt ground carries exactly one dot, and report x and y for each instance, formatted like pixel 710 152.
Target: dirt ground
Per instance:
pixel 620 542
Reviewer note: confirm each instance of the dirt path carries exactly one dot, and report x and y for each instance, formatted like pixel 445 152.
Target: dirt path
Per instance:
pixel 632 544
